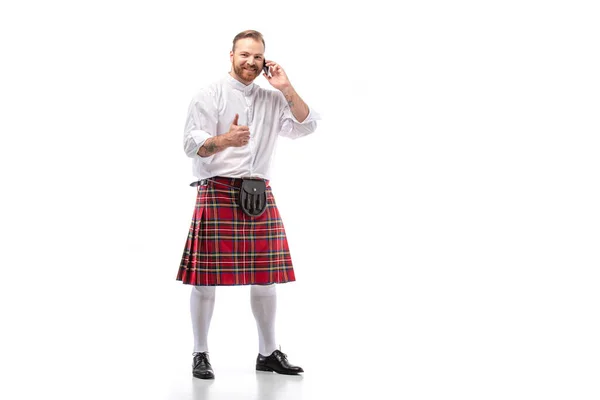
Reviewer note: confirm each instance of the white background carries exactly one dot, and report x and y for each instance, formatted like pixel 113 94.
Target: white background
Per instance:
pixel 453 248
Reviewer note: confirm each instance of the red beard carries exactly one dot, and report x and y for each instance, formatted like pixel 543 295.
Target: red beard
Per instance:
pixel 245 73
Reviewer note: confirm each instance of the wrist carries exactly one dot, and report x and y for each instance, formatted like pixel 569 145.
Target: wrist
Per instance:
pixel 287 90
pixel 223 141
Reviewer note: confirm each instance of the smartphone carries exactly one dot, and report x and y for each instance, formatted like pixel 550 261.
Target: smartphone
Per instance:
pixel 266 69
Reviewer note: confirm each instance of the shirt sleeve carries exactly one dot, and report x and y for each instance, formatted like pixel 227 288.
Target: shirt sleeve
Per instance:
pixel 201 124
pixel 290 127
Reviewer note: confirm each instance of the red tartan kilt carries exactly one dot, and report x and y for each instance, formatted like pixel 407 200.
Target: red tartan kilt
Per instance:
pixel 227 247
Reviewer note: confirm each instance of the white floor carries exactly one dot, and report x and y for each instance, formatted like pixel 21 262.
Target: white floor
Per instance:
pixel 236 382
pixel 431 333
pixel 431 341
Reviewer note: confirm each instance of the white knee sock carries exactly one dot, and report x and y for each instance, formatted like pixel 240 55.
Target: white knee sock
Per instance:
pixel 202 304
pixel 263 300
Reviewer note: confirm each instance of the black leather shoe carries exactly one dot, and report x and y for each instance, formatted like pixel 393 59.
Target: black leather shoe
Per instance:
pixel 276 362
pixel 201 367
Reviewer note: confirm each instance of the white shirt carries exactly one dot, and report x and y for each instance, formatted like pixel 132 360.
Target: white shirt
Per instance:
pixel 265 112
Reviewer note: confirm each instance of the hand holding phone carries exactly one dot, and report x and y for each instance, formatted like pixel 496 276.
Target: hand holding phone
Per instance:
pixel 266 69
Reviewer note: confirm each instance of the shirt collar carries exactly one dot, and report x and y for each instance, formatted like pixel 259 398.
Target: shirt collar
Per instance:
pixel 247 89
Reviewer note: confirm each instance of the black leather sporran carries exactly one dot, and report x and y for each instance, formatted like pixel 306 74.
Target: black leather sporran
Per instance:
pixel 253 197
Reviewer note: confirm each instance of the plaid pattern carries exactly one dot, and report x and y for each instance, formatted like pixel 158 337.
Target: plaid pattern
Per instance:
pixel 227 247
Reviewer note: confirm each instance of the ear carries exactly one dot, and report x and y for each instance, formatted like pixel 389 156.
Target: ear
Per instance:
pixel 231 55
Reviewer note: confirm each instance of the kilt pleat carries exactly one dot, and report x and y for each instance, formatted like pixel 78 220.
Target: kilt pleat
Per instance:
pixel 226 247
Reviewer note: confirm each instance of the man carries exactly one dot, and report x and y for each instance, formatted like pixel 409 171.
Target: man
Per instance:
pixel 237 236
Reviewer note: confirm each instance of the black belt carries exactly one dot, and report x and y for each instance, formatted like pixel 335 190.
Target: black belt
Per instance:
pixel 235 183
pixel 202 182
pixel 252 197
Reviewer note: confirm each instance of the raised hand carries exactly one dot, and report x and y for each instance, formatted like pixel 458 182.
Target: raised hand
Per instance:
pixel 278 78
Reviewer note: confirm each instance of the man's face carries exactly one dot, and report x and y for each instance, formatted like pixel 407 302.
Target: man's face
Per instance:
pixel 247 60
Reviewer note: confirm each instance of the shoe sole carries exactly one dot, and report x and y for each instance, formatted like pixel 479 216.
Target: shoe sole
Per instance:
pixel 204 376
pixel 268 369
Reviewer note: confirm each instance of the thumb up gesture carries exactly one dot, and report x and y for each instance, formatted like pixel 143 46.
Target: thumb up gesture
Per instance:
pixel 238 135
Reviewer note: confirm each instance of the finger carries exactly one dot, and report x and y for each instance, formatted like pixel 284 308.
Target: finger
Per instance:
pixel 235 119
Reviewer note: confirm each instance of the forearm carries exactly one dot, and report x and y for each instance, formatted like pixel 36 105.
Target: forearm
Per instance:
pixel 297 106
pixel 212 146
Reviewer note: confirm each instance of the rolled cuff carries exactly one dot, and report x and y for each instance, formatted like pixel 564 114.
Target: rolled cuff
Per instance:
pixel 293 129
pixel 312 116
pixel 193 141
